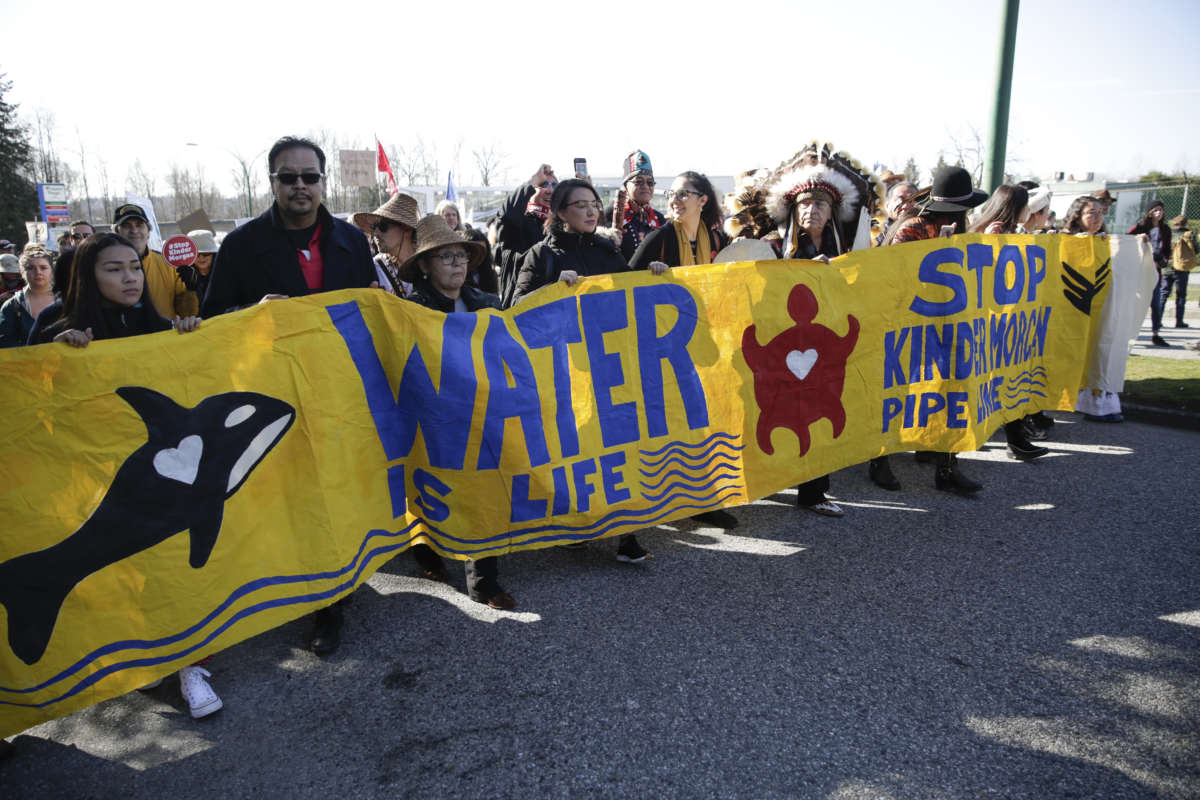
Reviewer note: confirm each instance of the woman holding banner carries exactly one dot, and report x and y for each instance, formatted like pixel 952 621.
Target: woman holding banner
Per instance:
pixel 1006 212
pixel 438 271
pixel 943 212
pixel 1085 217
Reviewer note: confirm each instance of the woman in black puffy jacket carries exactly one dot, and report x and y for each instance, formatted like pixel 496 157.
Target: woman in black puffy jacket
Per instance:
pixel 572 248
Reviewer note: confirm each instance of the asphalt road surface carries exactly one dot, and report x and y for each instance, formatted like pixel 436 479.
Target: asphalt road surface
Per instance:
pixel 1039 640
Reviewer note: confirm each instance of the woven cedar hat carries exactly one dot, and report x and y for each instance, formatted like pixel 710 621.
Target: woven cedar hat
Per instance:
pixel 400 208
pixel 1179 222
pixel 433 233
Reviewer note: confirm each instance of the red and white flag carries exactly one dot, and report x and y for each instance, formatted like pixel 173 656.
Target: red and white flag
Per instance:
pixel 385 166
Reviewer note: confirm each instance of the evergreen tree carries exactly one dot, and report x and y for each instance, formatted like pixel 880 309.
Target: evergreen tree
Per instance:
pixel 18 195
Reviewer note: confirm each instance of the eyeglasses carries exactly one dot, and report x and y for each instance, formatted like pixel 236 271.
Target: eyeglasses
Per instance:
pixel 643 182
pixel 459 256
pixel 76 237
pixel 548 185
pixel 584 205
pixel 289 178
pixel 680 194
pixel 382 226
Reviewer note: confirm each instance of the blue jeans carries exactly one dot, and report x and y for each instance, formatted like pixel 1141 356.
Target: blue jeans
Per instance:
pixel 1180 281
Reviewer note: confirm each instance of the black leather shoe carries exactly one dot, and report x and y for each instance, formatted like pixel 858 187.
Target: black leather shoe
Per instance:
pixel 950 479
pixel 1042 421
pixel 327 630
pixel 1182 324
pixel 717 519
pixel 1158 341
pixel 1025 451
pixel 1033 432
pixel 880 473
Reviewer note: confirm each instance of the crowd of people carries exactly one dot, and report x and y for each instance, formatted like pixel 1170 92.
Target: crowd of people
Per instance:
pixel 817 205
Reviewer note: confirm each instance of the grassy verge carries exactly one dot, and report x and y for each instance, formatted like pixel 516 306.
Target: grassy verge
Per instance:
pixel 1163 382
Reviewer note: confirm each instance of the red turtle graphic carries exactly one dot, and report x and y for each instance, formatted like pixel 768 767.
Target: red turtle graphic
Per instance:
pixel 798 376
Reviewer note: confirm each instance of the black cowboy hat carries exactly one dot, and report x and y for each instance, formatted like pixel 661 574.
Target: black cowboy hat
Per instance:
pixel 952 191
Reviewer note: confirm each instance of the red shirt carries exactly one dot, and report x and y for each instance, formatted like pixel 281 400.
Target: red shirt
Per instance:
pixel 311 263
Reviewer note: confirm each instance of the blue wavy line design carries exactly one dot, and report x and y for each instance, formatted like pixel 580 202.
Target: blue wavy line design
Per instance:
pixel 1035 371
pixel 690 481
pixel 236 594
pixel 245 612
pixel 686 446
pixel 703 459
pixel 1022 401
pixel 1026 381
pixel 681 489
pixel 1018 392
pixel 676 473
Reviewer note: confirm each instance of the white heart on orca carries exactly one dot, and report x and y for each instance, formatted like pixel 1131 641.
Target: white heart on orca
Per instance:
pixel 180 463
pixel 801 363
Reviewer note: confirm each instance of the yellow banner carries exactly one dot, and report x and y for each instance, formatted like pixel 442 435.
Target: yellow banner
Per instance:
pixel 166 496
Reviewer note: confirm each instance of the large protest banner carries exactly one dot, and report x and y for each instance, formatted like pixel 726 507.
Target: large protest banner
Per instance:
pixel 300 444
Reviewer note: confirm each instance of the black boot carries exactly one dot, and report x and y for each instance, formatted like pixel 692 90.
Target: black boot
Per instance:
pixel 880 473
pixel 1019 446
pixel 949 478
pixel 327 630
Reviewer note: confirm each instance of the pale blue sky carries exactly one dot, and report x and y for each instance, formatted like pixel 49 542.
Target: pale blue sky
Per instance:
pixel 706 87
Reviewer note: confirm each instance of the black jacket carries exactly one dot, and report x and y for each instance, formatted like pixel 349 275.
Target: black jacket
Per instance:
pixel 586 253
pixel 258 259
pixel 517 232
pixel 424 294
pixel 633 234
pixel 117 322
pixel 663 245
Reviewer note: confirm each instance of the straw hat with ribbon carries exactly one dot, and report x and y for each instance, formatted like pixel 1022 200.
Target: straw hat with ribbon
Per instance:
pixel 433 233
pixel 400 208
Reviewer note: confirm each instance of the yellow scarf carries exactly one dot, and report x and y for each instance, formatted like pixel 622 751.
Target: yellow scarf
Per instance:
pixel 703 246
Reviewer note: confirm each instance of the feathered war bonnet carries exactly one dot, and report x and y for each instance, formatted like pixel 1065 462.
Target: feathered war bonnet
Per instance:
pixel 761 206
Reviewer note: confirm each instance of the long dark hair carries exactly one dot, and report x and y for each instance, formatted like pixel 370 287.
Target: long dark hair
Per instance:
pixel 1073 221
pixel 1004 206
pixel 560 198
pixel 1145 223
pixel 82 304
pixel 711 213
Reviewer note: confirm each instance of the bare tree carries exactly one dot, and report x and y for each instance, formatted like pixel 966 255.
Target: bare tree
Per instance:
pixel 911 171
pixel 139 181
pixel 87 195
pixel 105 194
pixel 488 161
pixel 969 152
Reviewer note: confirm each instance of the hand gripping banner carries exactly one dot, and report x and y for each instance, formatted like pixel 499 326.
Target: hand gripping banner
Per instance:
pixel 166 496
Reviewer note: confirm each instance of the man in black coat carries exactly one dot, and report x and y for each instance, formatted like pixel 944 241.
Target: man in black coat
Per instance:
pixel 294 248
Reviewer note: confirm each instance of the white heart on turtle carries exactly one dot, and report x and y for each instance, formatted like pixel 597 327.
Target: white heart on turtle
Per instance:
pixel 801 362
pixel 180 463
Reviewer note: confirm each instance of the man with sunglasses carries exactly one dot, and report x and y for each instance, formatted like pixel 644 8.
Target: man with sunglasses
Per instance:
pixel 80 230
pixel 296 247
pixel 632 213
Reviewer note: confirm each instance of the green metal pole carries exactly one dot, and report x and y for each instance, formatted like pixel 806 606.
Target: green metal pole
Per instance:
pixel 998 143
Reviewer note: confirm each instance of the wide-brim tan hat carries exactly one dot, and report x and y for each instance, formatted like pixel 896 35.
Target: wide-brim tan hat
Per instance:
pixel 400 208
pixel 433 233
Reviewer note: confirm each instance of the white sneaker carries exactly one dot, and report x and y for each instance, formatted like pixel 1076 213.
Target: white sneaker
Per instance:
pixel 201 699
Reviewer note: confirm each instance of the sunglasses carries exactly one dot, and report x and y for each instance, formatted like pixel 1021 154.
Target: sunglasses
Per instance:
pixel 75 237
pixel 383 226
pixel 289 178
pixel 548 185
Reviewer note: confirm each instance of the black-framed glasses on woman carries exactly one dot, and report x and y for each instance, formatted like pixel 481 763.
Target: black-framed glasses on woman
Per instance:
pixel 460 256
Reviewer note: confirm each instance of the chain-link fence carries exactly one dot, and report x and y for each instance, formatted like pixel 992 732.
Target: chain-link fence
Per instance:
pixel 1133 200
